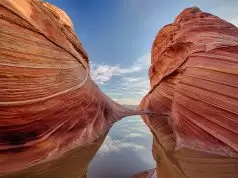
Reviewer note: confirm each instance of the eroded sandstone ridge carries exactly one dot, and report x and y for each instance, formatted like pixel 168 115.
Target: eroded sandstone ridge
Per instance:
pixel 194 79
pixel 48 103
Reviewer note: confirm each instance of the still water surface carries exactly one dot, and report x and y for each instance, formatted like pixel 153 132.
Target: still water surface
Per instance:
pixel 126 151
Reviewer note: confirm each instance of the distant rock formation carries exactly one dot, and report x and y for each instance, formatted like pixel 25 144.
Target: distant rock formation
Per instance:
pixel 194 79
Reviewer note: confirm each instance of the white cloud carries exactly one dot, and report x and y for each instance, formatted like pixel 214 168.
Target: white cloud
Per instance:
pixel 135 129
pixel 141 129
pixel 136 82
pixel 132 83
pixel 136 86
pixel 102 73
pixel 133 79
pixel 114 94
pixel 111 145
pixel 131 135
pixel 143 61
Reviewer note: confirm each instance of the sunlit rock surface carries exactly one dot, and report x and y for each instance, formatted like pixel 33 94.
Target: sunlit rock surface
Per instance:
pixel 194 79
pixel 48 103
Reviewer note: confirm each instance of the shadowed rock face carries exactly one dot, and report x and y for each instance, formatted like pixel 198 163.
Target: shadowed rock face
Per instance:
pixel 194 79
pixel 49 104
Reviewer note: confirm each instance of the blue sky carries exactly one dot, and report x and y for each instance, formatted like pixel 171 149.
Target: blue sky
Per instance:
pixel 118 34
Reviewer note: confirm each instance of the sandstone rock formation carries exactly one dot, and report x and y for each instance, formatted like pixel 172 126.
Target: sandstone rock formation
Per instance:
pixel 53 117
pixel 48 103
pixel 194 79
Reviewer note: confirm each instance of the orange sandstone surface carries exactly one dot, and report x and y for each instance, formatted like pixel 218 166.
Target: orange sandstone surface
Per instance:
pixel 49 105
pixel 53 117
pixel 194 80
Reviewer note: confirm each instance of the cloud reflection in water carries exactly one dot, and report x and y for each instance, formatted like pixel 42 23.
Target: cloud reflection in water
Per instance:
pixel 126 151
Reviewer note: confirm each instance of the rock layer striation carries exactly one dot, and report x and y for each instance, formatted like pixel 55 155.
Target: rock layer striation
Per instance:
pixel 194 80
pixel 48 102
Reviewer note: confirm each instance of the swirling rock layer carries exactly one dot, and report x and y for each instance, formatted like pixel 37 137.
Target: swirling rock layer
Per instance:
pixel 194 79
pixel 48 102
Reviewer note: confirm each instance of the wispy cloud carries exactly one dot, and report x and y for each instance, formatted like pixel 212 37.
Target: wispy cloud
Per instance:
pixel 131 83
pixel 102 73
pixel 127 100
pixel 131 135
pixel 141 83
pixel 111 145
pixel 143 62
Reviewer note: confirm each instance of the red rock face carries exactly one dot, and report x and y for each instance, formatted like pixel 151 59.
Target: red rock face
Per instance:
pixel 194 79
pixel 48 102
pixel 194 75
